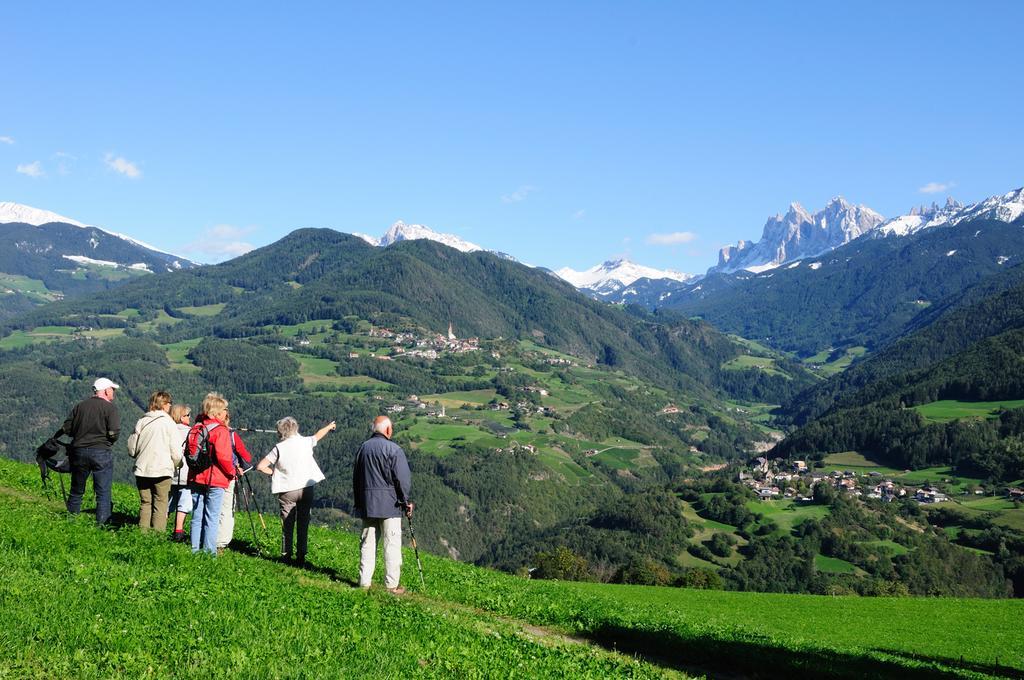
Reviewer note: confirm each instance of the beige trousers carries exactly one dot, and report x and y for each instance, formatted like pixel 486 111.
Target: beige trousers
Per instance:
pixel 153 494
pixel 388 531
pixel 227 517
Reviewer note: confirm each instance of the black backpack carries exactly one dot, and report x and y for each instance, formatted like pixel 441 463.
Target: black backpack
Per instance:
pixel 198 449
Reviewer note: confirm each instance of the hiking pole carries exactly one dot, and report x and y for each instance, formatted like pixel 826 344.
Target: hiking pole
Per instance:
pixel 253 429
pixel 412 537
pixel 248 512
pixel 255 502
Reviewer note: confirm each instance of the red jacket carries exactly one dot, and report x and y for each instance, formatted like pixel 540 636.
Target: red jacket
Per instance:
pixel 240 449
pixel 222 471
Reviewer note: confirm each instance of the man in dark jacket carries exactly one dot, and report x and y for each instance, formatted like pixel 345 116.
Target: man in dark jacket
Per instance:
pixel 380 485
pixel 94 426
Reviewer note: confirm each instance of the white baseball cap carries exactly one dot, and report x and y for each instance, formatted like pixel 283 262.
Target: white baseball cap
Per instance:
pixel 103 383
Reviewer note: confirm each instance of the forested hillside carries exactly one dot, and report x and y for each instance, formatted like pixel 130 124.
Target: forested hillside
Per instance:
pixel 46 262
pixel 991 307
pixel 325 275
pixel 970 351
pixel 866 293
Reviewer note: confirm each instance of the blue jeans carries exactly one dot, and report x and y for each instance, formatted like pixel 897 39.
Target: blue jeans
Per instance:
pixel 206 501
pixel 100 463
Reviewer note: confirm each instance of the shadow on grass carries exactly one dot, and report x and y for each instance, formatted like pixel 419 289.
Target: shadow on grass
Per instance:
pixel 760 659
pixel 248 548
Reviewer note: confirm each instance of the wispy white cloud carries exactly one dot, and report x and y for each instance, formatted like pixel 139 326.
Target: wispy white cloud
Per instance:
pixel 936 187
pixel 519 194
pixel 579 214
pixel 218 243
pixel 64 161
pixel 122 165
pixel 33 169
pixel 6 140
pixel 674 238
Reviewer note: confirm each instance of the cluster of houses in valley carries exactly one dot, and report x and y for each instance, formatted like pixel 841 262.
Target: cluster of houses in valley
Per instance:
pixel 405 343
pixel 414 404
pixel 771 479
pixel 516 447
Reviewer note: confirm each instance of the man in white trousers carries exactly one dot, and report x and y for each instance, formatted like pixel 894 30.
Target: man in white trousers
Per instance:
pixel 380 485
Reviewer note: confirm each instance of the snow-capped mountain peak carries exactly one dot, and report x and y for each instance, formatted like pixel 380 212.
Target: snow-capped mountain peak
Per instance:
pixel 1003 208
pixel 400 231
pixel 17 213
pixel 799 234
pixel 612 275
pixel 26 214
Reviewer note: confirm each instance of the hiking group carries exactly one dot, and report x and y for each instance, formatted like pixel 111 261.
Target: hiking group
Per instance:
pixel 194 465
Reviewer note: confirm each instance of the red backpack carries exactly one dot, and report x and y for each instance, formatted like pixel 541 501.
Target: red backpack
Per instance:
pixel 198 449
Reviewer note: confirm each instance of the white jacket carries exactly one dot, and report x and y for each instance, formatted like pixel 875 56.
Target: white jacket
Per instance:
pixel 159 445
pixel 181 476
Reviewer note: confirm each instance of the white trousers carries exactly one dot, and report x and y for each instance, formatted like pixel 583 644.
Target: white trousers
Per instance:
pixel 227 517
pixel 388 531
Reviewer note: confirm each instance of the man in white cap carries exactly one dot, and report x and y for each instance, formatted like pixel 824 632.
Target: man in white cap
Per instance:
pixel 93 426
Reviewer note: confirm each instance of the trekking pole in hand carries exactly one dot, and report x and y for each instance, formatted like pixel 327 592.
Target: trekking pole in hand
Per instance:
pixel 415 548
pixel 255 502
pixel 248 511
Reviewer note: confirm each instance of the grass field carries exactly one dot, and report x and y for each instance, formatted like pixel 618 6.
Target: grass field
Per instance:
pixel 115 591
pixel 176 354
pixel 162 319
pixel 947 410
pixel 892 546
pixel 834 565
pixel 745 361
pixel 104 609
pixel 787 513
pixel 317 372
pixel 856 462
pixel 205 310
pixel 18 339
pixel 105 272
pixel 34 289
pixel 819 362
pixel 457 399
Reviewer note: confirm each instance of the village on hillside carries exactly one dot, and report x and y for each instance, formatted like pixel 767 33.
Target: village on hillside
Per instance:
pixel 778 478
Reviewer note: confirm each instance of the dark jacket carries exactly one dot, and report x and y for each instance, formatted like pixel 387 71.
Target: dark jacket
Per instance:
pixel 93 424
pixel 381 479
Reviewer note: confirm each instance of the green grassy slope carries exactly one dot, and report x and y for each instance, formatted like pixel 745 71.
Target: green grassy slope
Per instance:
pixel 83 602
pixel 80 602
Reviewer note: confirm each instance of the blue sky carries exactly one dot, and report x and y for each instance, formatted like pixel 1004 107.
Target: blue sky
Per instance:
pixel 562 133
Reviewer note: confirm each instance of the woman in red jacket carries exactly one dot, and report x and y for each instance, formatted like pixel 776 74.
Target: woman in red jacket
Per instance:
pixel 208 485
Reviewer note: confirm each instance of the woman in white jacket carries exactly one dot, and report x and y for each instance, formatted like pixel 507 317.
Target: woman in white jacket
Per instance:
pixel 294 472
pixel 156 447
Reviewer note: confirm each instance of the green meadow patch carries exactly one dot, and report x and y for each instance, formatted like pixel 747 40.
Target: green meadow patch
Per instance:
pixel 826 363
pixel 834 565
pixel 747 361
pixel 34 289
pixel 18 339
pixel 948 410
pixel 787 513
pixel 205 310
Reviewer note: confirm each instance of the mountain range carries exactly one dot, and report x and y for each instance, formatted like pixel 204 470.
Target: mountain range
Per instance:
pixel 296 326
pixel 46 256
pixel 612 276
pixel 799 234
